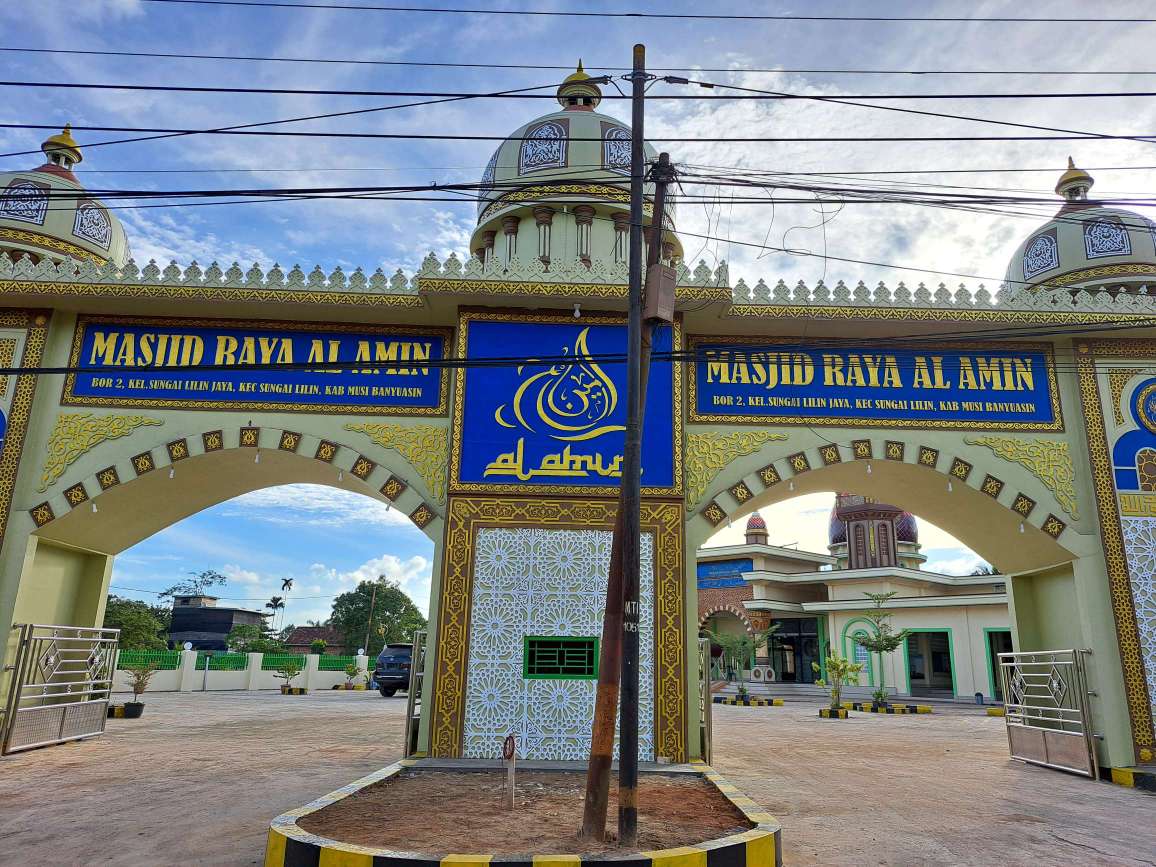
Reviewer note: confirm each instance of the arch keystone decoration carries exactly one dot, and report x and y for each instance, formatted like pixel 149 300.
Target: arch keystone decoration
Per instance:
pixel 423 445
pixel 77 432
pixel 1048 460
pixel 709 452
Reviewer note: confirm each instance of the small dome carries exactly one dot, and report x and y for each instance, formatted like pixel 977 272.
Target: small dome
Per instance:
pixel 756 522
pixel 906 526
pixel 570 159
pixel 45 213
pixel 1085 245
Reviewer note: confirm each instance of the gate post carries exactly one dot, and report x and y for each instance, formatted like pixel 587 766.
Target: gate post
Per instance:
pixel 310 672
pixel 188 680
pixel 253 671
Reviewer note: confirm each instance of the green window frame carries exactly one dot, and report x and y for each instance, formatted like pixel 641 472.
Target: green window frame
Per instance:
pixel 559 657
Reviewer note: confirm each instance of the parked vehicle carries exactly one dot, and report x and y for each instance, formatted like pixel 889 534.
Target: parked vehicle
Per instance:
pixel 391 671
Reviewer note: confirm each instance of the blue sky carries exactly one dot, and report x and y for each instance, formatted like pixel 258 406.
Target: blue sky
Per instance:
pixel 332 538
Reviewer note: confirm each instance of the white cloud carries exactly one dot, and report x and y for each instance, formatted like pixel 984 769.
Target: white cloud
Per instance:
pixel 314 505
pixel 413 575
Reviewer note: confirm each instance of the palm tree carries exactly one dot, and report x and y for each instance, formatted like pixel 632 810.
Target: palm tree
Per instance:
pixel 277 603
pixel 286 584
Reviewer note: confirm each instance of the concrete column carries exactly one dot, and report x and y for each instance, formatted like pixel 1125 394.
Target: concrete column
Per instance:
pixel 253 670
pixel 308 675
pixel 362 663
pixel 191 679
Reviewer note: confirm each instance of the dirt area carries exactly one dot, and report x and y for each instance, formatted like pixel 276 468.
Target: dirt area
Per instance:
pixel 466 812
pixel 201 775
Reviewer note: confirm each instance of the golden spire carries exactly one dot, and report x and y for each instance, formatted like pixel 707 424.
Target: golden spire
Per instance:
pixel 577 93
pixel 62 146
pixel 1074 184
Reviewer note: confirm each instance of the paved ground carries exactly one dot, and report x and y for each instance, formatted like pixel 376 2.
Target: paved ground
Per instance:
pixel 198 778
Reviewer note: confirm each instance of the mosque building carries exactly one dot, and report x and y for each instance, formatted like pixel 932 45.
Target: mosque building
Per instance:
pixel 959 624
pixel 1033 442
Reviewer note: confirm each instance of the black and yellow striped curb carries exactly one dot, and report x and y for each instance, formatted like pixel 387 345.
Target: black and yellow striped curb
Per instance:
pixel 833 712
pixel 295 690
pixel 1133 778
pixel 748 701
pixel 996 711
pixel 867 707
pixel 290 846
pixel 116 711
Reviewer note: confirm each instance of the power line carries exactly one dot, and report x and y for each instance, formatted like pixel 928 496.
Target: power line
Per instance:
pixel 433 64
pixel 170 132
pixel 251 128
pixel 695 16
pixel 762 96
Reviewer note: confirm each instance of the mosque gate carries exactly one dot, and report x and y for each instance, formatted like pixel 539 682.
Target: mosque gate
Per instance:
pixel 1038 451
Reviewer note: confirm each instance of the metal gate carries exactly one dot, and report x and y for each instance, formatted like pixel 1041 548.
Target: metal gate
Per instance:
pixel 1047 713
pixel 59 685
pixel 413 694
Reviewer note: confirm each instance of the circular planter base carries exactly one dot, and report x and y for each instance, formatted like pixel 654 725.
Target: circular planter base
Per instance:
pixel 760 846
pixel 833 713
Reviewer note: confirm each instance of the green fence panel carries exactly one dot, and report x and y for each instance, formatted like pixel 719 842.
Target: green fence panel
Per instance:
pixel 273 661
pixel 163 660
pixel 226 662
pixel 334 663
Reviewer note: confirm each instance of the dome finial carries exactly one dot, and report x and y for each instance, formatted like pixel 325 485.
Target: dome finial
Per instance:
pixel 61 149
pixel 1074 184
pixel 578 92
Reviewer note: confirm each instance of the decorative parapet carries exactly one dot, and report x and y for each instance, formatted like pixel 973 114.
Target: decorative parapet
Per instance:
pixel 234 277
pixel 758 299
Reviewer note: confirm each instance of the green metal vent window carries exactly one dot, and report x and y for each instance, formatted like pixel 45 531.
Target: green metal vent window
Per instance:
pixel 560 658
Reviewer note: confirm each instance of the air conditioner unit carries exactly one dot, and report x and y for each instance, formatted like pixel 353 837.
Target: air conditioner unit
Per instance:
pixel 762 674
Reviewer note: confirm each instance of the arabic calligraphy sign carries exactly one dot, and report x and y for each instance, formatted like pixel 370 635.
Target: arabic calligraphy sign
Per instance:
pixel 558 419
pixel 225 364
pixel 989 386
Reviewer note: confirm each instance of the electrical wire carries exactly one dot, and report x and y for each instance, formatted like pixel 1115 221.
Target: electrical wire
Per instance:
pixel 694 16
pixel 433 64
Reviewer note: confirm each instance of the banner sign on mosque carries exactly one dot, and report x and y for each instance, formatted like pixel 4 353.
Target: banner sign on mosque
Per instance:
pixel 224 364
pixel 549 410
pixel 992 386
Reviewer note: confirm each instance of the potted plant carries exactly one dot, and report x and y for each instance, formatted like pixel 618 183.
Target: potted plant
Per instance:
pixel 138 679
pixel 288 670
pixel 840 671
pixel 738 649
pixel 317 646
pixel 885 640
pixel 350 675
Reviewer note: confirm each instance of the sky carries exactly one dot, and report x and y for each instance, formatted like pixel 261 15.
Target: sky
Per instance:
pixel 291 531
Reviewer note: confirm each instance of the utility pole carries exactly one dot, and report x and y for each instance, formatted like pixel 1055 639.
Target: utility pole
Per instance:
pixel 369 623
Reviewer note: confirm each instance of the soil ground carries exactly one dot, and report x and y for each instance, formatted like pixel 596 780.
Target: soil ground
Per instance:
pixel 467 812
pixel 199 777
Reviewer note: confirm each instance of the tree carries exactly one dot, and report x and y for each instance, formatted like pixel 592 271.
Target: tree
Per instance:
pixel 884 641
pixel 739 647
pixel 395 617
pixel 840 672
pixel 249 638
pixel 984 569
pixel 197 585
pixel 277 603
pixel 140 625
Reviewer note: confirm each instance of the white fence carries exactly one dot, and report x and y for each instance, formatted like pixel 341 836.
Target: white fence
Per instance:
pixel 187 677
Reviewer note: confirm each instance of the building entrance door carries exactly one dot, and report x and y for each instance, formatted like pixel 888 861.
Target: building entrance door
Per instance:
pixel 929 663
pixel 998 641
pixel 794 646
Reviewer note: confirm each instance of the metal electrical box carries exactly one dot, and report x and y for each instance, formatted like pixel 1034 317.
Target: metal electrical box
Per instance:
pixel 658 299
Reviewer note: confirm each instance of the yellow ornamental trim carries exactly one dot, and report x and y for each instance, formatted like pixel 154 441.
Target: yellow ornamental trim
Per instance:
pixel 1048 460
pixel 77 432
pixel 708 453
pixel 425 446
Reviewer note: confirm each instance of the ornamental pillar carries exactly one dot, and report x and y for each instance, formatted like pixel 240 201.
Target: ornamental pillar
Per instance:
pixel 544 217
pixel 621 235
pixel 584 218
pixel 510 229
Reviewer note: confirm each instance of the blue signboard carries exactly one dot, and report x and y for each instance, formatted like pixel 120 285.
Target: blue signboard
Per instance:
pixel 991 386
pixel 554 416
pixel 198 364
pixel 723 573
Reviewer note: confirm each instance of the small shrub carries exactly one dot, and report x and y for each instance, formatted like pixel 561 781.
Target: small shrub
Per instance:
pixel 139 677
pixel 287 671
